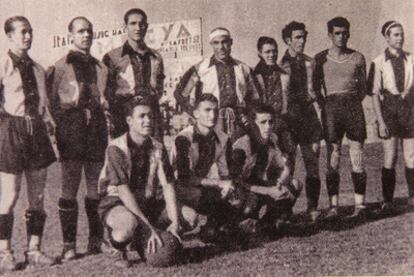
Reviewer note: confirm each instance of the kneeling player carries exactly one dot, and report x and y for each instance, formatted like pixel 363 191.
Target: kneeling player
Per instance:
pixel 201 157
pixel 264 172
pixel 132 205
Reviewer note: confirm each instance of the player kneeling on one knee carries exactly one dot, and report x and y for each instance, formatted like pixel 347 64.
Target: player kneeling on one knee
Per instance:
pixel 132 205
pixel 201 156
pixel 264 172
pixel 24 143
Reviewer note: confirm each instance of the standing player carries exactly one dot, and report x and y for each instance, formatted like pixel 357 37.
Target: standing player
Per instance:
pixel 24 142
pixel 77 84
pixel 265 173
pixel 340 74
pixel 228 79
pixel 201 157
pixel 302 116
pixel 391 82
pixel 135 69
pixel 273 83
pixel 135 164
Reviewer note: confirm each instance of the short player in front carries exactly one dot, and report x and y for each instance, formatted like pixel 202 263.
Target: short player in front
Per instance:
pixel 302 110
pixel 340 76
pixel 133 205
pixel 24 142
pixel 391 80
pixel 264 174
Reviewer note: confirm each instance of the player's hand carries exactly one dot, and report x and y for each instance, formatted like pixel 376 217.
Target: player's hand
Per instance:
pixel 383 131
pixel 154 242
pixel 88 116
pixel 226 187
pixel 173 229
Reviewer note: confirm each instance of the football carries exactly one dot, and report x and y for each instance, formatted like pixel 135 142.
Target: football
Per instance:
pixel 168 254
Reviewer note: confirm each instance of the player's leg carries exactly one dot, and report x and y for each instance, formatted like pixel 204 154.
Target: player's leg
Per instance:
pixel 310 153
pixel 68 206
pixel 359 177
pixel 333 177
pixel 390 148
pixel 408 150
pixel 122 226
pixel 92 171
pixel 36 217
pixel 10 188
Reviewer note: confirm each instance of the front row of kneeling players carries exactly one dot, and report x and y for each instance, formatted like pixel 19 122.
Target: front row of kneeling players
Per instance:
pixel 209 182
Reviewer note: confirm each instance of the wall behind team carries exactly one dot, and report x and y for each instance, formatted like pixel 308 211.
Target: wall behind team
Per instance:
pixel 246 19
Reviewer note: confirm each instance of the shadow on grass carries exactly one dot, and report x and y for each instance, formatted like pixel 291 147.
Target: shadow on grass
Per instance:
pixel 300 227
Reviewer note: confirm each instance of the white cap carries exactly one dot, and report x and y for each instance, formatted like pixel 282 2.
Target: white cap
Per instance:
pixel 218 32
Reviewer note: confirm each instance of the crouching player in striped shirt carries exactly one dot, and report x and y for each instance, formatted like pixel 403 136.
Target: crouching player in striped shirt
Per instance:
pixel 391 82
pixel 24 143
pixel 264 174
pixel 133 206
pixel 201 158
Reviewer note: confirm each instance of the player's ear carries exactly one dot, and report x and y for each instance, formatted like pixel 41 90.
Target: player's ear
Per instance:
pixel 196 113
pixel 128 119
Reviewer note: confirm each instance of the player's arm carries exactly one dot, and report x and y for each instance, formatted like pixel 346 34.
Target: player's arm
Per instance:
pixel 375 89
pixel 285 80
pixel 160 78
pixel 317 78
pixel 185 87
pixel 361 78
pixel 111 85
pixel 166 179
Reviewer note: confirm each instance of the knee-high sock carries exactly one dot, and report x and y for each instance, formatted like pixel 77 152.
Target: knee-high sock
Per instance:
pixel 95 224
pixel 332 183
pixel 35 223
pixel 388 184
pixel 313 190
pixel 409 176
pixel 6 226
pixel 360 182
pixel 68 213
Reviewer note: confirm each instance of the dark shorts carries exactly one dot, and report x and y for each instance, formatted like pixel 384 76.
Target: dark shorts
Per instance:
pixel 21 151
pixel 151 208
pixel 304 123
pixel 81 142
pixel 206 201
pixel 343 114
pixel 398 114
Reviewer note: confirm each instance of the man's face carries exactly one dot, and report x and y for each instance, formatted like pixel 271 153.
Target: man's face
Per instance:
pixel 269 54
pixel 82 34
pixel 206 114
pixel 140 122
pixel 297 41
pixel 395 38
pixel 21 35
pixel 221 47
pixel 264 122
pixel 339 37
pixel 136 27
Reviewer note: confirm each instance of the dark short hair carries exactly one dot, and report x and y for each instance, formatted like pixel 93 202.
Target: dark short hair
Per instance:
pixel 261 109
pixel 386 25
pixel 292 26
pixel 134 11
pixel 132 102
pixel 265 40
pixel 70 26
pixel 8 24
pixel 338 22
pixel 205 97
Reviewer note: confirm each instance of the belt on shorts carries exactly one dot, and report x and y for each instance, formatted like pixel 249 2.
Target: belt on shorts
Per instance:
pixel 27 118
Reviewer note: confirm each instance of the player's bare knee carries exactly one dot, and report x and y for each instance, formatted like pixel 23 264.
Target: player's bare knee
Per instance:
pixel 122 223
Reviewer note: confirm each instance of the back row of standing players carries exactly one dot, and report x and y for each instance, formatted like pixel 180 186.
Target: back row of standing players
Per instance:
pixel 248 121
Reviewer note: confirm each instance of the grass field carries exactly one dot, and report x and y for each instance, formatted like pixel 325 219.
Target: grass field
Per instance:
pixel 376 246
